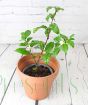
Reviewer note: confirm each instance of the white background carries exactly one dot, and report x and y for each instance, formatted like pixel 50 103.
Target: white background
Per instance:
pixel 18 15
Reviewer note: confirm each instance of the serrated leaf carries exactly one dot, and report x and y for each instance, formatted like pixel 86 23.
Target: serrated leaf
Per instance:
pixel 22 51
pixel 54 28
pixel 37 28
pixel 49 46
pixel 64 48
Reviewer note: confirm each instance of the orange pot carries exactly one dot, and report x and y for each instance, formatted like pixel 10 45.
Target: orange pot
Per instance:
pixel 37 88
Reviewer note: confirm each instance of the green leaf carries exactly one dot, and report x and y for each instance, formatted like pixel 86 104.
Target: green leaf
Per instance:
pixel 64 48
pixel 22 51
pixel 29 38
pixel 64 37
pixel 58 8
pixel 54 28
pixel 47 31
pixel 71 43
pixel 56 51
pixel 46 57
pixel 48 8
pixel 57 44
pixel 49 46
pixel 72 37
pixel 50 16
pixel 37 28
pixel 25 34
pixel 23 44
pixel 71 40
pixel 57 39
pixel 41 45
pixel 34 42
pixel 37 44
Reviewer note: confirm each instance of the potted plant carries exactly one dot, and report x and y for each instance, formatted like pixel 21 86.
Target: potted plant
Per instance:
pixel 38 70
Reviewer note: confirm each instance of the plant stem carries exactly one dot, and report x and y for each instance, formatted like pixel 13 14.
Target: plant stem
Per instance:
pixel 46 40
pixel 33 58
pixel 42 50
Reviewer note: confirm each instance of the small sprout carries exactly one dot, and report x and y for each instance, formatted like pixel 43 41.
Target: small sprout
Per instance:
pixel 35 69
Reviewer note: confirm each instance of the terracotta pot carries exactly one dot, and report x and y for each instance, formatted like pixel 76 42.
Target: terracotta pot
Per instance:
pixel 37 88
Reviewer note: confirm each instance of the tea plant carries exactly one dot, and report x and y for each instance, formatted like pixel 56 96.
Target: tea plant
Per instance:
pixel 48 48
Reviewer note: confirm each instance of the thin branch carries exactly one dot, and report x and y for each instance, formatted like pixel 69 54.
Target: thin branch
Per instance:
pixel 33 57
pixel 46 39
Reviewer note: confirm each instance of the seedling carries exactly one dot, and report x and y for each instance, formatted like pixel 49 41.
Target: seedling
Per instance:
pixel 48 48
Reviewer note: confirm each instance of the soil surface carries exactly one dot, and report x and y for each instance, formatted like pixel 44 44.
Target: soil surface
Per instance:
pixel 38 71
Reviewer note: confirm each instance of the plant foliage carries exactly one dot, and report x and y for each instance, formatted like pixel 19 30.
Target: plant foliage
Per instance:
pixel 48 48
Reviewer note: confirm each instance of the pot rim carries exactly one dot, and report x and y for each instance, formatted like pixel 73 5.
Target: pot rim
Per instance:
pixel 52 74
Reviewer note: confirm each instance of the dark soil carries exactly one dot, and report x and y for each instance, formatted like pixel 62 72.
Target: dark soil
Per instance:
pixel 40 71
